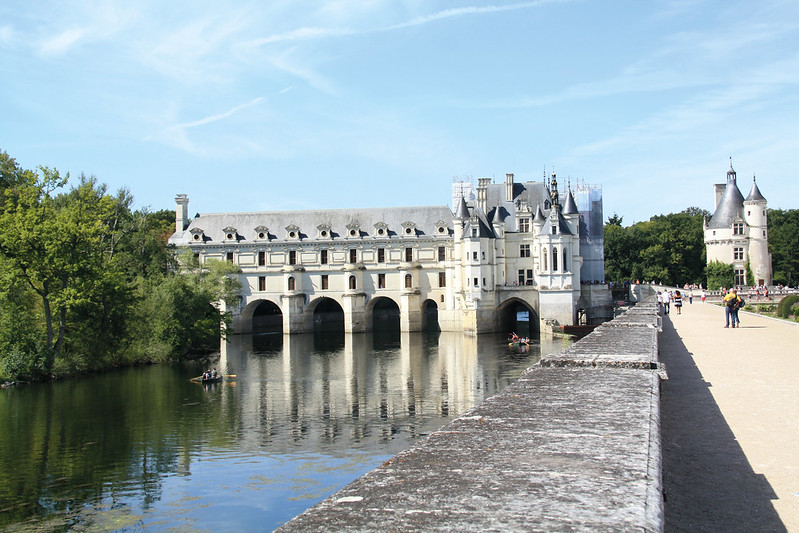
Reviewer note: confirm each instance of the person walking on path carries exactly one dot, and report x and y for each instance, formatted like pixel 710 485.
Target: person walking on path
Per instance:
pixel 731 302
pixel 678 301
pixel 666 301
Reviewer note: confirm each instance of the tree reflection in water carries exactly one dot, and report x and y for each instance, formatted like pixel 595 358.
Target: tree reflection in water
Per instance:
pixel 305 414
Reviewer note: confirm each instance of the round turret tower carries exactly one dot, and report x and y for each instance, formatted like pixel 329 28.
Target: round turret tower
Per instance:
pixel 755 215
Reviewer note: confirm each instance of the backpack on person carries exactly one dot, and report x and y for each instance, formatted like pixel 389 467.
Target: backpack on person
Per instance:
pixel 740 303
pixel 732 303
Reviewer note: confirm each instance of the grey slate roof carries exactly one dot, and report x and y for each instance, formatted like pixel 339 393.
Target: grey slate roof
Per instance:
pixel 462 211
pixel 424 220
pixel 532 192
pixel 730 207
pixel 754 194
pixel 563 226
pixel 571 205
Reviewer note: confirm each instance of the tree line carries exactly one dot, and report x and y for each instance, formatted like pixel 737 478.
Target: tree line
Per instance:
pixel 87 282
pixel 671 249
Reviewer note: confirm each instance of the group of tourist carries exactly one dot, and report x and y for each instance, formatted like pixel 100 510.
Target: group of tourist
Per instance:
pixel 210 374
pixel 666 297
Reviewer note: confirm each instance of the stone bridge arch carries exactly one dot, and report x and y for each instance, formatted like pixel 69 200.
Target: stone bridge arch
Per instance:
pixel 383 314
pixel 517 315
pixel 258 316
pixel 324 314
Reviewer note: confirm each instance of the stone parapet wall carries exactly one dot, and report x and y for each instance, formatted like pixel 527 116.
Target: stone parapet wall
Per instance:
pixel 574 444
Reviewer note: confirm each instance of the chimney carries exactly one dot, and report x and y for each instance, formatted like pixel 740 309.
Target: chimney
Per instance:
pixel 509 187
pixel 482 193
pixel 181 212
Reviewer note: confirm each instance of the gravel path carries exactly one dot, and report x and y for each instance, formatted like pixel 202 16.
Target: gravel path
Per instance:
pixel 730 422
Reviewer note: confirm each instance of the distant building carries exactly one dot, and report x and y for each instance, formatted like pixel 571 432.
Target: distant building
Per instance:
pixel 509 258
pixel 737 233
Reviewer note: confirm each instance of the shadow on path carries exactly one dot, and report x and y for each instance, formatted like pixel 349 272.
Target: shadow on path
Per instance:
pixel 708 482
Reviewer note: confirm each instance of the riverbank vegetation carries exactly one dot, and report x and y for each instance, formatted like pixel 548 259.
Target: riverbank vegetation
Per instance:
pixel 671 249
pixel 87 282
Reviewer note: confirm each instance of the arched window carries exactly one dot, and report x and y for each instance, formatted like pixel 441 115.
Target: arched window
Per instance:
pixel 554 259
pixel 408 281
pixel 544 253
pixel 565 260
pixel 352 283
pixel 292 283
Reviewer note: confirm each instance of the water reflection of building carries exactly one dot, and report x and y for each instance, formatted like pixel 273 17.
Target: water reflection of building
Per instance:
pixel 504 248
pixel 354 393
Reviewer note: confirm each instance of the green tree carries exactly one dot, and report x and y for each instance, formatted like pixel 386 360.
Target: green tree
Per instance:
pixel 783 244
pixel 720 275
pixel 668 248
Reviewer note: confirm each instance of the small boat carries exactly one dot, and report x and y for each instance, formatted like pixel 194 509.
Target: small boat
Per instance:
pixel 207 379
pixel 518 342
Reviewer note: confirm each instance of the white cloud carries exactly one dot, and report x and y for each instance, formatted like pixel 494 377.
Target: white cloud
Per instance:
pixel 177 135
pixel 61 43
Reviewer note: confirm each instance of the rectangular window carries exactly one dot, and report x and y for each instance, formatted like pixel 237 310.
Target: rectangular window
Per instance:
pixel 738 228
pixel 325 282
pixel 476 283
pixel 408 254
pixel 529 277
pixel 740 276
pixel 521 277
pixel 381 255
pixel 524 225
pixel 261 283
pixel 442 253
pixel 261 258
pixel 292 257
pixel 524 250
pixel 323 257
pixel 738 254
pixel 554 230
pixel 353 255
pixel 229 256
pixel 442 279
pixel 474 233
pixel 381 281
pixel 474 256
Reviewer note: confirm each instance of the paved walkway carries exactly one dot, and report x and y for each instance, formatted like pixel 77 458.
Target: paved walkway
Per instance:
pixel 730 422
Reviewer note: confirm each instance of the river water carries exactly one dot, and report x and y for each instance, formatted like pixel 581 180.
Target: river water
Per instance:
pixel 146 448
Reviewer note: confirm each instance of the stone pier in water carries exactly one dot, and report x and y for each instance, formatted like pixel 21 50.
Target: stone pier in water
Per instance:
pixel 574 444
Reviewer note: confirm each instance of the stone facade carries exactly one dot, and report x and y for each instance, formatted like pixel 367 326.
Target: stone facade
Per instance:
pixel 737 233
pixel 510 248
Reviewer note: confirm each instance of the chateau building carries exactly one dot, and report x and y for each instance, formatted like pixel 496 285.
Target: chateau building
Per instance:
pixel 737 233
pixel 508 257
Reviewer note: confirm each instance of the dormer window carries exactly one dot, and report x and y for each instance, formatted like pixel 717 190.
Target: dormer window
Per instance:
pixel 230 233
pixel 381 229
pixel 353 231
pixel 197 235
pixel 292 233
pixel 441 228
pixel 409 229
pixel 737 228
pixel 324 231
pixel 261 233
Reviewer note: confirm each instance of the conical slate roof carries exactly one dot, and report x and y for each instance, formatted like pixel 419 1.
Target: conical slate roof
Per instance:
pixel 571 205
pixel 730 206
pixel 754 194
pixel 462 211
pixel 539 215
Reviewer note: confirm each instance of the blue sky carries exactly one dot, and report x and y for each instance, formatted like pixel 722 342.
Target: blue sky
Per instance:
pixel 298 104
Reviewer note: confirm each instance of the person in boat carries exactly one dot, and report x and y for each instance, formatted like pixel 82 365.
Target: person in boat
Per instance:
pixel 214 373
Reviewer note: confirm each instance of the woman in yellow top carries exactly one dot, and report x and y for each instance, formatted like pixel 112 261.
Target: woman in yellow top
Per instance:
pixel 731 302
